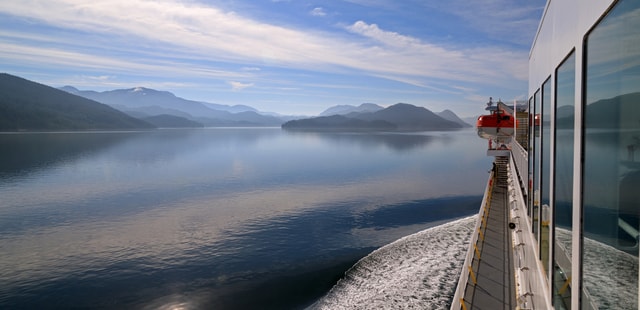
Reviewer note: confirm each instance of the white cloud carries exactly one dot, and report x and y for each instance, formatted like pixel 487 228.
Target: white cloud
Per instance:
pixel 318 12
pixel 250 69
pixel 238 86
pixel 195 29
pixel 397 54
pixel 386 37
pixel 51 57
pixel 101 78
pixel 199 32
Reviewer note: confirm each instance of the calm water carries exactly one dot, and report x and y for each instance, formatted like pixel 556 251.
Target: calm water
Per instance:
pixel 216 218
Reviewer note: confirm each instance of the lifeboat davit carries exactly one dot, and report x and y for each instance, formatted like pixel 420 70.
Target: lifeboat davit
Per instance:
pixel 499 123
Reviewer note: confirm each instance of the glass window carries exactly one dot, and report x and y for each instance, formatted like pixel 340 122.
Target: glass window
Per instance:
pixel 563 185
pixel 522 129
pixel 545 172
pixel 611 167
pixel 537 148
pixel 530 155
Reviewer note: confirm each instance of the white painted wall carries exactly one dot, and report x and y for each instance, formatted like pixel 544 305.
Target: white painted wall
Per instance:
pixel 564 25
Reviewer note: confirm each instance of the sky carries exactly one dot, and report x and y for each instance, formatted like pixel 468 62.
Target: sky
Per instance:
pixel 293 57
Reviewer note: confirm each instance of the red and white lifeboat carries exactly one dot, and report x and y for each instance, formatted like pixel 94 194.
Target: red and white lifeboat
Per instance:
pixel 499 123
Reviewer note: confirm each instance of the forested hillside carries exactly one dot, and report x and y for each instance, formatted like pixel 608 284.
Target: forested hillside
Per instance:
pixel 30 106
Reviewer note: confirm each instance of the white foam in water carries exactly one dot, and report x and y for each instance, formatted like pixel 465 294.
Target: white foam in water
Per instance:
pixel 419 271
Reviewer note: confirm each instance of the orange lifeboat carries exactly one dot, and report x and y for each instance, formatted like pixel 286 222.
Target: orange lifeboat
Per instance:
pixel 499 123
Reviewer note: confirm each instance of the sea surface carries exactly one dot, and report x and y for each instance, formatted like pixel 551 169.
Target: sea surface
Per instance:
pixel 224 218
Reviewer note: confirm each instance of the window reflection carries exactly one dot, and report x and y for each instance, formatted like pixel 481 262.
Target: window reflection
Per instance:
pixel 563 185
pixel 537 146
pixel 531 135
pixel 611 185
pixel 545 165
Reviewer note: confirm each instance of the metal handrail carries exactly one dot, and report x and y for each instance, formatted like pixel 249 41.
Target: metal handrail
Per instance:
pixel 520 158
pixel 533 292
pixel 464 273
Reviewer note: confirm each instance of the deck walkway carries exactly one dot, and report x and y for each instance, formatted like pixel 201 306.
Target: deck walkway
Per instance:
pixel 491 283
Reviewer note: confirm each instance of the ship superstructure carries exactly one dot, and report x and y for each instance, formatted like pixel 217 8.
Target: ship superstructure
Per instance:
pixel 564 194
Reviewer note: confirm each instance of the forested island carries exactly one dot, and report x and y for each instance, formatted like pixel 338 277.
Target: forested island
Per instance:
pixel 400 117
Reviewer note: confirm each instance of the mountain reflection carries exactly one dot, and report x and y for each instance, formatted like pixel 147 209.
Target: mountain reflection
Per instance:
pixel 394 141
pixel 25 153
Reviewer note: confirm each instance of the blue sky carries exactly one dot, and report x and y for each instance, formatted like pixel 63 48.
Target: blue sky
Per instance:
pixel 285 56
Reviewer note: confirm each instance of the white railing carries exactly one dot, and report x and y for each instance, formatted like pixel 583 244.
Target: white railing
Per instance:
pixel 531 289
pixel 456 304
pixel 520 157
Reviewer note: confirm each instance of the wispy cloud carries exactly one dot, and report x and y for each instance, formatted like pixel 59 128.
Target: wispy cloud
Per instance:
pixel 318 12
pixel 201 35
pixel 250 69
pixel 399 54
pixel 47 57
pixel 238 86
pixel 102 77
pixel 372 31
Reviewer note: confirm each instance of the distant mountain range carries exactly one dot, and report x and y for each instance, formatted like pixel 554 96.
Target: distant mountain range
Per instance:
pixel 28 106
pixel 346 109
pixel 401 116
pixel 145 102
pixel 449 115
pixel 171 121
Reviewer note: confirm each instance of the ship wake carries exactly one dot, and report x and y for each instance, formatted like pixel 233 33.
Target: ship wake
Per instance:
pixel 417 271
